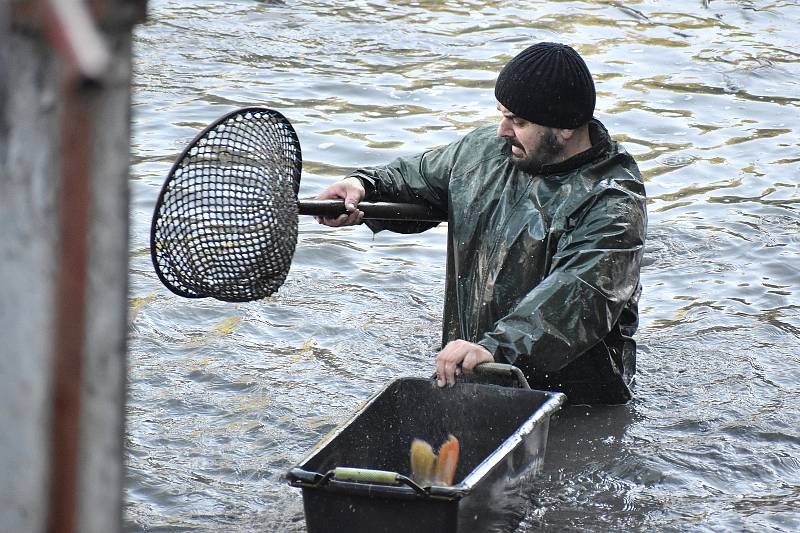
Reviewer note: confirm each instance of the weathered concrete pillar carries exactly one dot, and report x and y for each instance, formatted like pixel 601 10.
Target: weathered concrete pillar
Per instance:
pixel 64 158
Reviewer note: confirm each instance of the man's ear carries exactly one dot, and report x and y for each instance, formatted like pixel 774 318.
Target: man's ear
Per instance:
pixel 565 135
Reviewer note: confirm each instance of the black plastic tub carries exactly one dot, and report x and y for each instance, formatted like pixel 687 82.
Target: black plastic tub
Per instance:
pixel 355 480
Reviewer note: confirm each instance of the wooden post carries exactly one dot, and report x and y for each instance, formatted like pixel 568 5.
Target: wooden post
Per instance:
pixel 65 68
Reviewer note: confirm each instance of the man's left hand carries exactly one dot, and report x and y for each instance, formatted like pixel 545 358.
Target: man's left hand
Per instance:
pixel 457 355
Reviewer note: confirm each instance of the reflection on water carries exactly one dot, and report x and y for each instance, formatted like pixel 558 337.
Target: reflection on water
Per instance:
pixel 224 398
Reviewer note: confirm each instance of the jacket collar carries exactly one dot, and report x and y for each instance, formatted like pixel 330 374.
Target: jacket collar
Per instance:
pixel 601 144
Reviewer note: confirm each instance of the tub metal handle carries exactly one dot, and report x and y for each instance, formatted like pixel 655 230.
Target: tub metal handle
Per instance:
pixel 504 370
pixel 305 479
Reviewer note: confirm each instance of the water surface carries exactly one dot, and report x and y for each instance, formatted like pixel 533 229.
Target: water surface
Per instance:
pixel 224 398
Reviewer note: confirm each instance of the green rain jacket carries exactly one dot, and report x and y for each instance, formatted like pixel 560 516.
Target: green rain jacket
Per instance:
pixel 543 271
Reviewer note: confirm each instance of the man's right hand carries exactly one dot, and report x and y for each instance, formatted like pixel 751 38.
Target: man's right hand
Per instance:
pixel 457 355
pixel 352 192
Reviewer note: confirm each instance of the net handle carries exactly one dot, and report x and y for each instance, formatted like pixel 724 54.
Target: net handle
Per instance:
pixel 372 210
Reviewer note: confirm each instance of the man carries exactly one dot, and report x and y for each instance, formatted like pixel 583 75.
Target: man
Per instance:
pixel 546 229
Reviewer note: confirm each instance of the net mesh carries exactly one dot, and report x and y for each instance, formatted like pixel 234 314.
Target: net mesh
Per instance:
pixel 225 224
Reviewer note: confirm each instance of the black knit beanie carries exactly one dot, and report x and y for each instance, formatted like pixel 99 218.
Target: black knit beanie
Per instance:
pixel 548 84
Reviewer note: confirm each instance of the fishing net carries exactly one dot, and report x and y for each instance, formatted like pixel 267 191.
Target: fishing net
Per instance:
pixel 225 223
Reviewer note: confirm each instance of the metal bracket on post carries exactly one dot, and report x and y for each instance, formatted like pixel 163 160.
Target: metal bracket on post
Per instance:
pixel 71 29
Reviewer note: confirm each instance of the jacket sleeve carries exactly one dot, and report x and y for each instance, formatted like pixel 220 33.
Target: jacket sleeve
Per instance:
pixel 421 179
pixel 594 272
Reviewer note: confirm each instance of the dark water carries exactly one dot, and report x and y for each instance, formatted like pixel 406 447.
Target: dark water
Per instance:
pixel 224 398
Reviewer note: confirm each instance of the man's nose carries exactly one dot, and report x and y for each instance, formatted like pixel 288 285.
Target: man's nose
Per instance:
pixel 504 129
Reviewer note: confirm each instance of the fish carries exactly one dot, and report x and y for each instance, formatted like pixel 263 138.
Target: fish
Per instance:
pixel 447 462
pixel 423 462
pixel 430 468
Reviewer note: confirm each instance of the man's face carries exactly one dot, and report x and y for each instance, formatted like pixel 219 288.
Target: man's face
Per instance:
pixel 532 145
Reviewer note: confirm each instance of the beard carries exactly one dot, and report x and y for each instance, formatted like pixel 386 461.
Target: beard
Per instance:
pixel 544 153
